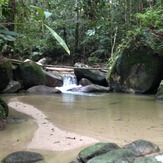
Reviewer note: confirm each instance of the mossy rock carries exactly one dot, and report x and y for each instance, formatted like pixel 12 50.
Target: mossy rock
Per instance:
pixel 138 68
pixel 116 156
pixel 96 150
pixel 5 72
pixel 30 74
pixel 4 110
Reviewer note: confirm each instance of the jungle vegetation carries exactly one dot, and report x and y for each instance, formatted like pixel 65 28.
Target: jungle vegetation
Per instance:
pixel 91 29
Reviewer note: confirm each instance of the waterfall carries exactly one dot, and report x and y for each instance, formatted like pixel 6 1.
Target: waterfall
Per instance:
pixel 69 82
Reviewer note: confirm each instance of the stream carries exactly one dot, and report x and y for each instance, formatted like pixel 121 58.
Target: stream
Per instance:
pixel 118 118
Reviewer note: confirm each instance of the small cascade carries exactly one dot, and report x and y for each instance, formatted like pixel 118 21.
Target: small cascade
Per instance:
pixel 69 79
pixel 69 82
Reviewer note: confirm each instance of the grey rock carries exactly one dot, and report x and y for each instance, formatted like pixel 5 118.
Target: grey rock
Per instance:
pixel 23 157
pixel 12 87
pixel 142 147
pixel 42 89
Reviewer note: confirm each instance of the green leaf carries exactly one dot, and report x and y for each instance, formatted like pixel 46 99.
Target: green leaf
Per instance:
pixel 43 14
pixel 9 38
pixel 39 10
pixel 7 32
pixel 59 39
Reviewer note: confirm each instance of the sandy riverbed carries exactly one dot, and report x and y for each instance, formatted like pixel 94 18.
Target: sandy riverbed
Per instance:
pixel 48 136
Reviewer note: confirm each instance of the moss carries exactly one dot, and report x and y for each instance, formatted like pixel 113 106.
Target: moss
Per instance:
pixel 31 74
pixel 5 72
pixel 3 109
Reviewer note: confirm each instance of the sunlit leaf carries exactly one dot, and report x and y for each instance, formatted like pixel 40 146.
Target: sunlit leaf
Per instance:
pixel 39 10
pixel 47 14
pixel 59 39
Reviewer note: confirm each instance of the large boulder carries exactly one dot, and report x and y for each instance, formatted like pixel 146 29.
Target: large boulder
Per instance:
pixel 29 74
pixel 5 72
pixel 95 76
pixel 138 68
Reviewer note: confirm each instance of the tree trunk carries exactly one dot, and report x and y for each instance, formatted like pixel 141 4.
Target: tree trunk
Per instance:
pixel 11 15
pixel 77 28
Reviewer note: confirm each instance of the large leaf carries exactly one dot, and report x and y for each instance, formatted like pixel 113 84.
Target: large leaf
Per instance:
pixel 39 10
pixel 59 39
pixel 43 14
pixel 7 32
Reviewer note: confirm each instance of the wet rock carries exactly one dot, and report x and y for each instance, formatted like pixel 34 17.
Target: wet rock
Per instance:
pixel 53 80
pixel 29 74
pixel 84 82
pixel 42 89
pixel 23 157
pixel 5 72
pixel 4 110
pixel 95 76
pixel 96 150
pixel 115 156
pixel 12 87
pixel 159 94
pixel 142 147
pixel 138 68
pixel 2 124
pixel 151 159
pixel 92 88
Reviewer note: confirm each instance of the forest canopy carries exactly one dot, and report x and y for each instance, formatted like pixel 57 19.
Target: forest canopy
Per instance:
pixel 92 30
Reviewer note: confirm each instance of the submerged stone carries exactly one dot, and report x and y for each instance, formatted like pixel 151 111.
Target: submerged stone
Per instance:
pixel 23 157
pixel 96 150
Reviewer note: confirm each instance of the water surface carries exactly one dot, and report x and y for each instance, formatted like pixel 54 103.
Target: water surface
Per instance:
pixel 119 118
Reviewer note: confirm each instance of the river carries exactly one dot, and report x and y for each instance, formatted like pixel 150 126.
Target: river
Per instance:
pixel 118 118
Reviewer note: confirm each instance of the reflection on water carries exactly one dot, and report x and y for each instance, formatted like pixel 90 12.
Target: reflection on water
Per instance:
pixel 109 117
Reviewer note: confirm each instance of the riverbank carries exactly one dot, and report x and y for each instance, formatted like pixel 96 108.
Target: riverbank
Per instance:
pixel 48 136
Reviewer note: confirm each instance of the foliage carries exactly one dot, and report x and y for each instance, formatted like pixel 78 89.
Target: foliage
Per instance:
pixel 91 29
pixel 152 18
pixel 148 33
